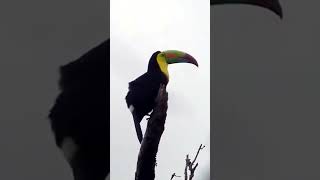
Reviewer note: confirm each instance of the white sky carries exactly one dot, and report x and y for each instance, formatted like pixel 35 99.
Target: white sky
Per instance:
pixel 138 29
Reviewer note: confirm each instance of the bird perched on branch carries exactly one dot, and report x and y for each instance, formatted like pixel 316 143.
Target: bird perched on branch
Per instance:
pixel 80 116
pixel 143 90
pixel 272 5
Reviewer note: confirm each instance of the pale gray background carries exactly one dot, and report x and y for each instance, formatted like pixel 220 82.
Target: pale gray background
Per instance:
pixel 36 37
pixel 266 96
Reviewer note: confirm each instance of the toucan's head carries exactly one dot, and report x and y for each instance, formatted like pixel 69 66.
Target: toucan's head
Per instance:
pixel 160 60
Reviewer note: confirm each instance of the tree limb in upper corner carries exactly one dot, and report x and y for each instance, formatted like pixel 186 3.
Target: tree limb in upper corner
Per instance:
pixel 149 146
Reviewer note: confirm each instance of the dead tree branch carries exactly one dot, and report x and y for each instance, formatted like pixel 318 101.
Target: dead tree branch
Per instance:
pixel 190 165
pixel 174 175
pixel 149 146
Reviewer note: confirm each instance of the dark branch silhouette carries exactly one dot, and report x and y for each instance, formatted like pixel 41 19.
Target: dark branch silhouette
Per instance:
pixel 174 175
pixel 149 146
pixel 191 166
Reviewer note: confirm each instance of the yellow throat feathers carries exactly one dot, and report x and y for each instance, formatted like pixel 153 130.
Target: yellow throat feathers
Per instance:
pixel 161 59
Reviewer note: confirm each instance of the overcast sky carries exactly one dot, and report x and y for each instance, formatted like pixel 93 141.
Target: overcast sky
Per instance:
pixel 138 29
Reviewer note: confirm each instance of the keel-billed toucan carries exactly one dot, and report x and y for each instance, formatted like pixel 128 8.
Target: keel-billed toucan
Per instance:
pixel 272 5
pixel 143 90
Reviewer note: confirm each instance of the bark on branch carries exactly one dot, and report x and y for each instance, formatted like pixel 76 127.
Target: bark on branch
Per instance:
pixel 149 146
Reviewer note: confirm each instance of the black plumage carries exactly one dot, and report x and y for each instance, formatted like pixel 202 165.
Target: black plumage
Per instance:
pixel 143 92
pixel 81 112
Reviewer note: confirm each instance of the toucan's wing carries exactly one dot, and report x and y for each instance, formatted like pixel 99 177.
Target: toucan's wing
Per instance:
pixel 272 5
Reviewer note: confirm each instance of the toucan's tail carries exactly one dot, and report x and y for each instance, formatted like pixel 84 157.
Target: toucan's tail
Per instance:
pixel 137 121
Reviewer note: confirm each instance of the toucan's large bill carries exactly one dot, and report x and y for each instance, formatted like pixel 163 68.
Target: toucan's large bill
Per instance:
pixel 272 5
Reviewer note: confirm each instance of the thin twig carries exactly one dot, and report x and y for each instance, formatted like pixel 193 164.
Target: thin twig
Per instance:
pixel 186 168
pixel 174 175
pixel 200 148
pixel 189 165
